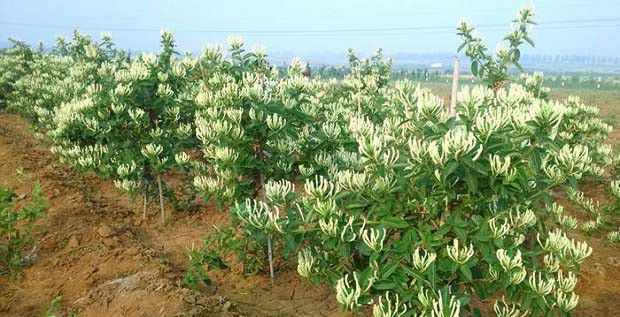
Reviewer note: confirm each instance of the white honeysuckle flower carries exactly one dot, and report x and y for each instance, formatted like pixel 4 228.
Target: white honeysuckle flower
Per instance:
pixel 275 122
pixel 518 276
pixel 126 185
pixel 125 170
pixel 522 218
pixel 507 262
pixel 566 283
pixel 422 262
pixel 326 208
pixel 613 236
pixel 547 114
pixel 437 175
pixel 573 160
pixel 91 51
pixel 374 238
pixel 552 264
pixel 205 184
pixel 499 167
pixel 331 130
pixel 371 147
pixel 451 308
pixel 384 184
pixel 163 77
pixel 235 41
pixel 164 90
pixel 297 66
pixel 568 222
pixel 324 159
pixel 389 157
pixel 320 188
pixel 425 298
pixel 329 227
pixel 136 114
pixel 502 309
pixel 348 295
pixel 349 231
pixel 123 90
pixel 579 251
pixel 556 241
pixel 258 215
pixel 541 286
pixel 166 34
pixel 510 175
pixel 458 255
pixel 156 133
pixel 278 191
pixel 389 306
pixel 459 142
pixel 360 126
pixel 106 36
pixel 555 174
pixel 565 301
pixel 352 181
pixel 417 150
pixel 494 275
pixel 437 154
pixel 173 113
pixel 181 158
pixel 118 108
pixel 222 154
pixel 178 70
pixel 498 231
pixel 152 150
pixel 518 240
pixel 305 263
pixel 590 226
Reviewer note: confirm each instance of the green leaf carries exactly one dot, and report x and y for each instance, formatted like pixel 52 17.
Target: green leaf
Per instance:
pixel 529 40
pixel 466 272
pixel 474 68
pixel 384 286
pixel 395 222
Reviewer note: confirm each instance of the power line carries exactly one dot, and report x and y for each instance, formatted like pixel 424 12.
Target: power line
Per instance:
pixel 422 29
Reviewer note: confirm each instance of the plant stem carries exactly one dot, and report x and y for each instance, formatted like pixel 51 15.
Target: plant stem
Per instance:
pixel 145 200
pixel 269 242
pixel 161 200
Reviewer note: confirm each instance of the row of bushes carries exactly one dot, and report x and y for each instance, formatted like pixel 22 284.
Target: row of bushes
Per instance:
pixel 369 185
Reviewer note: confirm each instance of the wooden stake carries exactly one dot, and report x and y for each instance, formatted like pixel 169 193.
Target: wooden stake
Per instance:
pixel 161 200
pixel 359 100
pixel 455 86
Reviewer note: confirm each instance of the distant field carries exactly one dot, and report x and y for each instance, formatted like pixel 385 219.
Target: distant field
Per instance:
pixel 606 100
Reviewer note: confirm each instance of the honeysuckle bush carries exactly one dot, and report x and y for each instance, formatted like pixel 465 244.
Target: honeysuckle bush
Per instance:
pixel 131 121
pixel 371 187
pixel 439 209
pixel 492 68
pixel 247 120
pixel 14 64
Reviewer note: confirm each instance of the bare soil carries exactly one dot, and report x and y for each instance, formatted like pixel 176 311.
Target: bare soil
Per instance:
pixel 105 260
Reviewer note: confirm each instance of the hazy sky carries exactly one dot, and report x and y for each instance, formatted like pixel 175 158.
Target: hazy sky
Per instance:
pixel 304 27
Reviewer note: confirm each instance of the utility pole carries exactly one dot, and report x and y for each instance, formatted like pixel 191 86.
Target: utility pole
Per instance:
pixel 455 86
